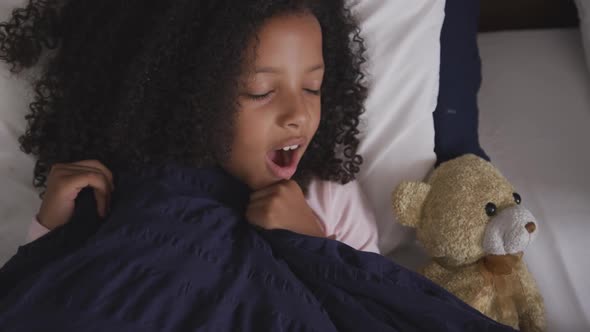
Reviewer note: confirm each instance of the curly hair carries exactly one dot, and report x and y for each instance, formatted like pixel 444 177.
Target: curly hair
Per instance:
pixel 139 82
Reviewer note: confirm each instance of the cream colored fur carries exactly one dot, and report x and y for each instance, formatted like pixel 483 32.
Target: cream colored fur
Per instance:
pixel 448 212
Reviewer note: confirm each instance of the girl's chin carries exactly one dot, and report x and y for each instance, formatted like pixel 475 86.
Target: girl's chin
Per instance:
pixel 264 180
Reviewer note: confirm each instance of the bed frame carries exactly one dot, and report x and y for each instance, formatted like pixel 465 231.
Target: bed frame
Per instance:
pixel 527 14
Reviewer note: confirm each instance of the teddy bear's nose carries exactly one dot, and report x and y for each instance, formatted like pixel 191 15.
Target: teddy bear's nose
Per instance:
pixel 530 227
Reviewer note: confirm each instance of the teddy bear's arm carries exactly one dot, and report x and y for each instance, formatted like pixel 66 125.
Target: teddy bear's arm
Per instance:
pixel 532 311
pixel 466 283
pixel 435 272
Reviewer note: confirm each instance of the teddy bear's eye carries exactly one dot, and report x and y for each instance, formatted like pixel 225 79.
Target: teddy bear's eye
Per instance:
pixel 517 198
pixel 491 209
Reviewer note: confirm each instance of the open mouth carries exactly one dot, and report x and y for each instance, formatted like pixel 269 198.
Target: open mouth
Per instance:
pixel 283 157
pixel 282 162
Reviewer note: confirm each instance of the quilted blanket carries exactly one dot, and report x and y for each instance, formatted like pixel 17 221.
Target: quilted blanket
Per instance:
pixel 176 254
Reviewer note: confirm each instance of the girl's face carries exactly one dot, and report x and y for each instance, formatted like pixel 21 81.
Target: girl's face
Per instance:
pixel 279 100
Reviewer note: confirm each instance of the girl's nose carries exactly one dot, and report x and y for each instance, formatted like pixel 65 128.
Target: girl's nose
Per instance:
pixel 295 114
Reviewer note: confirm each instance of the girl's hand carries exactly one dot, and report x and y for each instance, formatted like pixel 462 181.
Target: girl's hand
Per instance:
pixel 64 183
pixel 283 206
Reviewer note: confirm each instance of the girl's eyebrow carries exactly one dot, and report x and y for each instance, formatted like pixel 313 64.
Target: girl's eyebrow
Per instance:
pixel 274 70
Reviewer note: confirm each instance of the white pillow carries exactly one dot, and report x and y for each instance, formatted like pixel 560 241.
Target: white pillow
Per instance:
pixel 403 39
pixel 398 144
pixel 584 14
pixel 19 201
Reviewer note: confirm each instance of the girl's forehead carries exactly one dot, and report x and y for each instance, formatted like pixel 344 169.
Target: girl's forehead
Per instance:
pixel 286 24
pixel 294 37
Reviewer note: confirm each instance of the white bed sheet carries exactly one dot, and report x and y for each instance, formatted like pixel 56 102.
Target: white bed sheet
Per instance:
pixel 535 125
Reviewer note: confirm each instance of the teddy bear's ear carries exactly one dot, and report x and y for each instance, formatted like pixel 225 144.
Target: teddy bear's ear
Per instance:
pixel 408 199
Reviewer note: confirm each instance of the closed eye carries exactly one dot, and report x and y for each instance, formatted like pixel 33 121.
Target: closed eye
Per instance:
pixel 260 97
pixel 313 92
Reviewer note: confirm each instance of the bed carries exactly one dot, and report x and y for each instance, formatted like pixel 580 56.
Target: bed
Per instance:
pixel 534 107
pixel 534 115
pixel 534 119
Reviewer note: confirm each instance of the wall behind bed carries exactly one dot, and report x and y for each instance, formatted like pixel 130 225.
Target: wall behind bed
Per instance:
pixel 527 14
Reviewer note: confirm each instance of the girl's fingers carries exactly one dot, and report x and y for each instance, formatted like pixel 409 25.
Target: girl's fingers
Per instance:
pixel 254 207
pixel 262 203
pixel 96 165
pixel 102 202
pixel 73 170
pixel 98 182
pixel 260 213
pixel 263 193
pixel 88 166
pixel 255 217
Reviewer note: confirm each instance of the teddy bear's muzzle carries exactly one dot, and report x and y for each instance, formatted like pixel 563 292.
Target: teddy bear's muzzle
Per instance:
pixel 510 231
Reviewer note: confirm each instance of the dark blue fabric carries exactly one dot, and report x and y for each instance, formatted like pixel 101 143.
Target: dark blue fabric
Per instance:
pixel 456 116
pixel 176 254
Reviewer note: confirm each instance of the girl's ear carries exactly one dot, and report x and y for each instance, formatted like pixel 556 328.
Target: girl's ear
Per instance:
pixel 407 200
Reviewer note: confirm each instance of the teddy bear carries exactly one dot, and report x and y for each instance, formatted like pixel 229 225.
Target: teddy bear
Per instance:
pixel 472 223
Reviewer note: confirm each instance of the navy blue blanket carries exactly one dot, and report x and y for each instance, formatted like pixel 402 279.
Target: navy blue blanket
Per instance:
pixel 176 254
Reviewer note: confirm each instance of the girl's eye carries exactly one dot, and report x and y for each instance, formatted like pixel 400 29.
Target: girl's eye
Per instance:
pixel 313 92
pixel 260 97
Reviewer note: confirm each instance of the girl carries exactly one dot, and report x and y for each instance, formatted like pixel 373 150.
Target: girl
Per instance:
pixel 270 90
